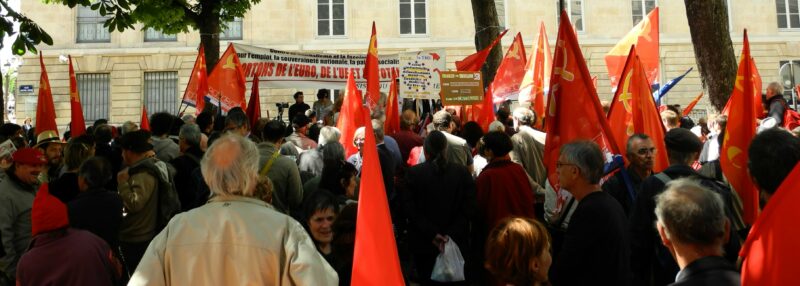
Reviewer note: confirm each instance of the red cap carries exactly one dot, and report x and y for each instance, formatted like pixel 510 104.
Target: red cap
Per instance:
pixel 29 156
pixel 48 212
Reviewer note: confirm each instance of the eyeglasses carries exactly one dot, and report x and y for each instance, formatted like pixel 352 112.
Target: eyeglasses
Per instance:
pixel 645 151
pixel 559 164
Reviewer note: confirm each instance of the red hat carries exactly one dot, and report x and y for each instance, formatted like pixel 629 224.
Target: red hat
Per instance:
pixel 48 212
pixel 29 156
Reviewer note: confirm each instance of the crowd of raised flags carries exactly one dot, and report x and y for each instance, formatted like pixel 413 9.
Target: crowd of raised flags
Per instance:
pixel 562 92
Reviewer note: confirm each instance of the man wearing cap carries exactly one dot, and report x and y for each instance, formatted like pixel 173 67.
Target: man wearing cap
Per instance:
pixel 650 260
pixel 53 149
pixel 17 191
pixel 299 138
pixel 137 184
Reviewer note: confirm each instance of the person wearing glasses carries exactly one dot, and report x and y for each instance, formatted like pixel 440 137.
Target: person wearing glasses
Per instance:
pixel 641 157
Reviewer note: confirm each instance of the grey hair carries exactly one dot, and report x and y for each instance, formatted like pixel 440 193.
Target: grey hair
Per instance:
pixel 230 166
pixel 333 151
pixel 190 133
pixel 128 126
pixel 377 128
pixel 329 134
pixel 634 137
pixel 587 157
pixel 691 213
pixel 525 116
pixel 776 87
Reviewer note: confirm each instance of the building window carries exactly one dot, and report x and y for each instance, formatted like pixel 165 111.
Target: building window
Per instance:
pixel 500 6
pixel 788 14
pixel 641 8
pixel 233 31
pixel 161 92
pixel 93 89
pixel 90 26
pixel 152 35
pixel 575 11
pixel 413 18
pixel 330 17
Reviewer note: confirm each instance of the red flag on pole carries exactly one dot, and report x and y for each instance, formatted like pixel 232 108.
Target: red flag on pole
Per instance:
pixel 254 105
pixel 226 82
pixel 645 36
pixel 77 125
pixel 375 259
pixel 392 124
pixel 633 110
pixel 573 108
pixel 197 88
pixel 483 112
pixel 688 109
pixel 45 109
pixel 537 77
pixel 741 130
pixel 145 123
pixel 371 70
pixel 771 250
pixel 350 116
pixel 474 62
pixel 510 72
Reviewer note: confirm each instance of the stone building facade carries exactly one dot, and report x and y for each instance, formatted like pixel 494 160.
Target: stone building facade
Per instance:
pixel 118 72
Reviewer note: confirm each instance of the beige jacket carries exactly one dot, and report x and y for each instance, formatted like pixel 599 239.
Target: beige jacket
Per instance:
pixel 233 240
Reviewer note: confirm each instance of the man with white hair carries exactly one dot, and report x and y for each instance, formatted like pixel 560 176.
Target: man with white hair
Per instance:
pixel 233 231
pixel 310 162
pixel 185 164
pixel 692 224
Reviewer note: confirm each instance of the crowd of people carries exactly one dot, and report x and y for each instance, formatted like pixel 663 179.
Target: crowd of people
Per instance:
pixel 213 200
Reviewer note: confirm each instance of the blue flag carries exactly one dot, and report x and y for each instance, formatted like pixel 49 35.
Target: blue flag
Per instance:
pixel 661 92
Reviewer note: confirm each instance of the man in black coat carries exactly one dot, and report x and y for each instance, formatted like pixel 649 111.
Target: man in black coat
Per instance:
pixel 692 224
pixel 96 209
pixel 641 155
pixel 595 248
pixel 102 139
pixel 185 164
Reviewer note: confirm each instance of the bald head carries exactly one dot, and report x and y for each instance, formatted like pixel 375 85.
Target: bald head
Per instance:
pixel 230 166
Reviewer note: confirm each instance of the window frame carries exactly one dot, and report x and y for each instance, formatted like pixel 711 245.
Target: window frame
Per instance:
pixel 330 19
pixel 413 19
pixel 568 7
pixel 225 37
pixel 160 39
pixel 99 19
pixel 145 91
pixel 88 105
pixel 787 15
pixel 503 21
pixel 644 9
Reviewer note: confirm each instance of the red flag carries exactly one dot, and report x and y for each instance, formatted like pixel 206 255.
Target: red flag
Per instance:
pixel 197 88
pixel 510 72
pixel 375 259
pixel 226 82
pixel 758 108
pixel 771 250
pixel 483 113
pixel 646 38
pixel 691 105
pixel 254 105
pixel 573 108
pixel 537 77
pixel 77 125
pixel 350 116
pixel 392 124
pixel 45 109
pixel 741 130
pixel 371 70
pixel 474 62
pixel 633 110
pixel 144 122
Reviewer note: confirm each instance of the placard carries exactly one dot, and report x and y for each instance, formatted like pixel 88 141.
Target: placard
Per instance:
pixel 461 88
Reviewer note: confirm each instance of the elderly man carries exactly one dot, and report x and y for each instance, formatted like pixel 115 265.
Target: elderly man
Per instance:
pixel 691 223
pixel 17 191
pixel 268 248
pixel 641 155
pixel 595 248
pixel 310 162
pixel 529 146
pixel 649 259
pixel 160 124
pixel 237 122
pixel 775 104
pixel 458 151
pixel 186 163
pixel 281 170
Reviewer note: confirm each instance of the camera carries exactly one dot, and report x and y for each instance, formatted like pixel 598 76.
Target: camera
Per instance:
pixel 281 105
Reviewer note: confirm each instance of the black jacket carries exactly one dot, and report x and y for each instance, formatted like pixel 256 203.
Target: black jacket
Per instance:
pixel 776 108
pixel 185 184
pixel 114 157
pixel 595 249
pixel 65 188
pixel 100 212
pixel 712 270
pixel 617 188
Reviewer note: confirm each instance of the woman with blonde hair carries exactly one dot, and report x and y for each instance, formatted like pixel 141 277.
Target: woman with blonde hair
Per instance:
pixel 518 252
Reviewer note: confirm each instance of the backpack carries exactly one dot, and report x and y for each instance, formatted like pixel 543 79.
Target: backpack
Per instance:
pixel 168 204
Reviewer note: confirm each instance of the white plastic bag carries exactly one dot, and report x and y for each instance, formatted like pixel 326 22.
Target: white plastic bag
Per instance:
pixel 449 265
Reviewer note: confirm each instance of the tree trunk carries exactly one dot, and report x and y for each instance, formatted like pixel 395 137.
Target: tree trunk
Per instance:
pixel 3 90
pixel 713 50
pixel 208 24
pixel 487 28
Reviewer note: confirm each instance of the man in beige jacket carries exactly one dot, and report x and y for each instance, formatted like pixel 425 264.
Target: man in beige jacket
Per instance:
pixel 234 239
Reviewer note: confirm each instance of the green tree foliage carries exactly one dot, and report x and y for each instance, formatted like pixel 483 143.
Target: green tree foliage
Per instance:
pixel 29 35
